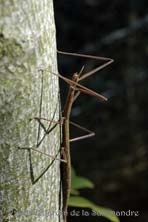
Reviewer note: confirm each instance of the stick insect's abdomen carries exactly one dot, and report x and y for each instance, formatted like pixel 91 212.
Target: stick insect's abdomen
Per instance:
pixel 66 167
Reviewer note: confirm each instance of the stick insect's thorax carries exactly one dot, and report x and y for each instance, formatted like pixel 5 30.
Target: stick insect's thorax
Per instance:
pixel 70 96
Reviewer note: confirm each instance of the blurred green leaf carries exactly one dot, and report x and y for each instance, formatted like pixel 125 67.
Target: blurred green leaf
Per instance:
pixel 74 192
pixel 73 172
pixel 80 182
pixel 101 211
pixel 77 201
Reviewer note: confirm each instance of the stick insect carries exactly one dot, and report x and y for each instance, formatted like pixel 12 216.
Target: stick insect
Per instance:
pixel 74 91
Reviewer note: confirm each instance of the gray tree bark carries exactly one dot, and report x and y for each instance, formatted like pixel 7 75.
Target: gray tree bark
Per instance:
pixel 30 181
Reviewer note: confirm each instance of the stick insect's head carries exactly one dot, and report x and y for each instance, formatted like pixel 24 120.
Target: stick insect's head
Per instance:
pixel 75 77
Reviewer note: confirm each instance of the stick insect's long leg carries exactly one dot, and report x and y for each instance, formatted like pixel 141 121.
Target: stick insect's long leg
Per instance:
pixel 90 133
pixel 49 129
pixel 47 132
pixel 108 61
pixel 82 88
pixel 84 55
pixel 97 69
pixel 51 121
pixel 46 154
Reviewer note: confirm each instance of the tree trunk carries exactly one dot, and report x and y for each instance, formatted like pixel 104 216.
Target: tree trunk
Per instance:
pixel 30 180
